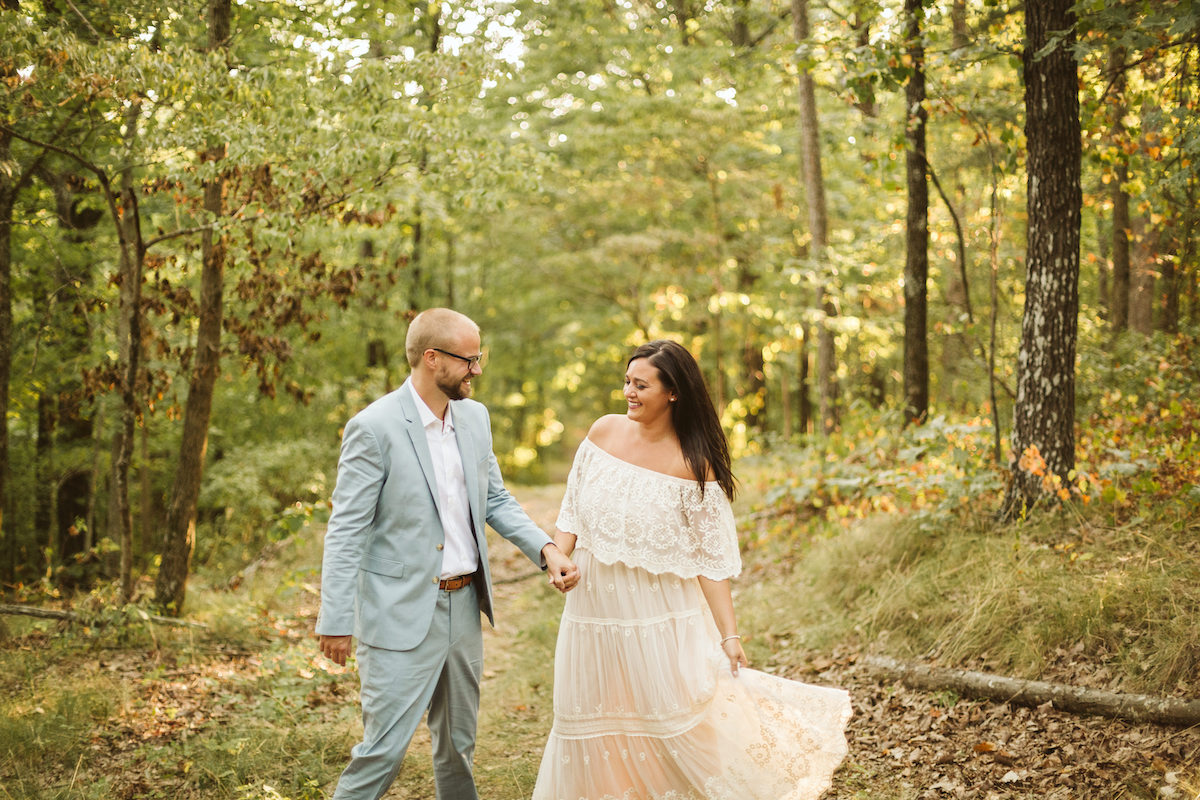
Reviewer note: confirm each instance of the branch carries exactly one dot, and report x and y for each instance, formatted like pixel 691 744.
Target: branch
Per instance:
pixel 1151 55
pixel 962 251
pixel 86 22
pixel 71 616
pixel 89 166
pixel 181 232
pixel 1075 699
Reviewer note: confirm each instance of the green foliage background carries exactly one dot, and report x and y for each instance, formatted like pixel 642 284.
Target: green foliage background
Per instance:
pixel 578 177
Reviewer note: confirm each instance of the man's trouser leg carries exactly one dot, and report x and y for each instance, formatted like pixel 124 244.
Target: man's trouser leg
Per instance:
pixel 397 686
pixel 454 707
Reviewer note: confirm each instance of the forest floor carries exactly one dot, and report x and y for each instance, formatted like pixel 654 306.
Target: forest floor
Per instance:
pixel 256 713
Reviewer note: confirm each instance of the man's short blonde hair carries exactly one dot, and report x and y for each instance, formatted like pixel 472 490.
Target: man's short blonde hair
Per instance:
pixel 434 327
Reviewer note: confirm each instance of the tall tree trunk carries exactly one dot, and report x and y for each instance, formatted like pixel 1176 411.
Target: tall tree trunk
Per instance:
pixel 754 375
pixel 1175 270
pixel 1104 243
pixel 1168 319
pixel 785 400
pixel 818 225
pixel 171 585
pixel 1119 307
pixel 961 33
pixel 1143 275
pixel 8 196
pixel 1044 415
pixel 145 505
pixel 827 377
pixel 129 338
pixel 803 379
pixel 43 493
pixel 916 261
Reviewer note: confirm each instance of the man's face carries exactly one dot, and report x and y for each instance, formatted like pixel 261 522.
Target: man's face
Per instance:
pixel 453 376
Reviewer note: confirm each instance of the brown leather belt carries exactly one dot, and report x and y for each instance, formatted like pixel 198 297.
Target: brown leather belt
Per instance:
pixel 453 584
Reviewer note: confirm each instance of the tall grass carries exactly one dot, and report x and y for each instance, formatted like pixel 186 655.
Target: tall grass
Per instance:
pixel 960 590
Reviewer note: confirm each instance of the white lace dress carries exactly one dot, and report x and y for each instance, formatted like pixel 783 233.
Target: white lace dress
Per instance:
pixel 645 707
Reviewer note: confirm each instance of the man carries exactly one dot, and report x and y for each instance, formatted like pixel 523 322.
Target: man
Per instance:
pixel 405 566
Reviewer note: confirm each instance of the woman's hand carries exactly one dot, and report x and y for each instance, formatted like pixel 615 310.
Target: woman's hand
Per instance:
pixel 732 647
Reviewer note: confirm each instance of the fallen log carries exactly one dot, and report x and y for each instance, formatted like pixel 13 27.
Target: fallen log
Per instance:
pixel 71 616
pixel 1064 697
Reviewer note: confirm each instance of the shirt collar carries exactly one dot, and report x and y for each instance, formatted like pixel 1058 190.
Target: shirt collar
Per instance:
pixel 428 418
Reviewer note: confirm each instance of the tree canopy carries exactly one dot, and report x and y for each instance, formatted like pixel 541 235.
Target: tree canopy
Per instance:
pixel 579 176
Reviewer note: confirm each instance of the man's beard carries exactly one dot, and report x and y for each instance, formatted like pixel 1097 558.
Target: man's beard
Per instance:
pixel 455 390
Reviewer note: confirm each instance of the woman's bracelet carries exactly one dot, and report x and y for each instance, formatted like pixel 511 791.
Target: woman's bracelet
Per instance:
pixel 727 638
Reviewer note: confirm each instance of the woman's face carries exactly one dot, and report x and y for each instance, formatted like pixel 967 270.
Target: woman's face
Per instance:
pixel 646 397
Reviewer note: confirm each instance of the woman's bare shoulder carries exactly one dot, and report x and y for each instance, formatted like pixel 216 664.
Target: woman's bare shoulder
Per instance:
pixel 606 429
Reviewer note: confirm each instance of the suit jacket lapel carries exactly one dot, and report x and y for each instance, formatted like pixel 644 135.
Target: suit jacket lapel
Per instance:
pixel 466 451
pixel 412 424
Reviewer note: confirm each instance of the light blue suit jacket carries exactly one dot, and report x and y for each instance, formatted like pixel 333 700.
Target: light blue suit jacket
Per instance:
pixel 383 543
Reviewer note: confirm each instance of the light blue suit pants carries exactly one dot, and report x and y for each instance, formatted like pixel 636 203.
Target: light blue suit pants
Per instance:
pixel 440 674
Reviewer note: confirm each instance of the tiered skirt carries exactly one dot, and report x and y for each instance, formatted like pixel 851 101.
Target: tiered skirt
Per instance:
pixel 645 706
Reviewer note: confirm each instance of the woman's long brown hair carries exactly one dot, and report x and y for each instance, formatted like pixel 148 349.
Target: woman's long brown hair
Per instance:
pixel 694 418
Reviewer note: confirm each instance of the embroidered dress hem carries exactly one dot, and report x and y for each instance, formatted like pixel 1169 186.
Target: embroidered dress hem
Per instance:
pixel 645 707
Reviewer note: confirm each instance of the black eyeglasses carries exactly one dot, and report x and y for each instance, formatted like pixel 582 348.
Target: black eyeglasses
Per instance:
pixel 471 361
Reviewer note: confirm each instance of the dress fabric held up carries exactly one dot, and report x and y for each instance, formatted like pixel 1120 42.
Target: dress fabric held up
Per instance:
pixel 645 707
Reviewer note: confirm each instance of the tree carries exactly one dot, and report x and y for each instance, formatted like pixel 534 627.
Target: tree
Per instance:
pixel 818 227
pixel 1044 424
pixel 179 538
pixel 1118 314
pixel 916 261
pixel 8 195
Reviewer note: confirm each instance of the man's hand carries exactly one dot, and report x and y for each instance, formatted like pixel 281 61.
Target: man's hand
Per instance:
pixel 336 648
pixel 562 570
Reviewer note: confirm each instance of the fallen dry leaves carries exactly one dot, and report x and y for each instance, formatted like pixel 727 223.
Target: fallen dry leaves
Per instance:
pixel 928 745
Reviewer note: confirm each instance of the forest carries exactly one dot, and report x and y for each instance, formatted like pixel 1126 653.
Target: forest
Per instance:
pixel 938 260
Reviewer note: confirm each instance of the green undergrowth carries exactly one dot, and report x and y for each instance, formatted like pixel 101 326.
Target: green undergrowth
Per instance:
pixel 1023 599
pixel 885 537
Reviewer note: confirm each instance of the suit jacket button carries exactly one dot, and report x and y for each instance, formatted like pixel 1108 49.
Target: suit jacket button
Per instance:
pixel 439 547
pixel 435 580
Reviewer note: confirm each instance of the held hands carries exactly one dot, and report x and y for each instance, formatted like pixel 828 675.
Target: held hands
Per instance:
pixel 336 648
pixel 563 572
pixel 732 647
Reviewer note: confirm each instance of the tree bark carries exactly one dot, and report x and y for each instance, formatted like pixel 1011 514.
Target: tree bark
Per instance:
pixel 129 344
pixel 1143 275
pixel 1064 697
pixel 803 381
pixel 961 34
pixel 818 226
pixel 180 536
pixel 8 195
pixel 1119 307
pixel 1044 413
pixel 916 261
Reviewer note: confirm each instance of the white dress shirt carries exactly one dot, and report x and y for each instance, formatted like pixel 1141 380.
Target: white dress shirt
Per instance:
pixel 461 554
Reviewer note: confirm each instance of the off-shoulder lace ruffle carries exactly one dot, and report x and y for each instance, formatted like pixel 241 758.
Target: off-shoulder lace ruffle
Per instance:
pixel 641 518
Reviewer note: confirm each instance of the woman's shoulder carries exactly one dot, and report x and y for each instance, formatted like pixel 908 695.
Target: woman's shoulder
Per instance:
pixel 606 429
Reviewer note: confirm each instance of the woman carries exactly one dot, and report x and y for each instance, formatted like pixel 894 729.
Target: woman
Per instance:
pixel 651 698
